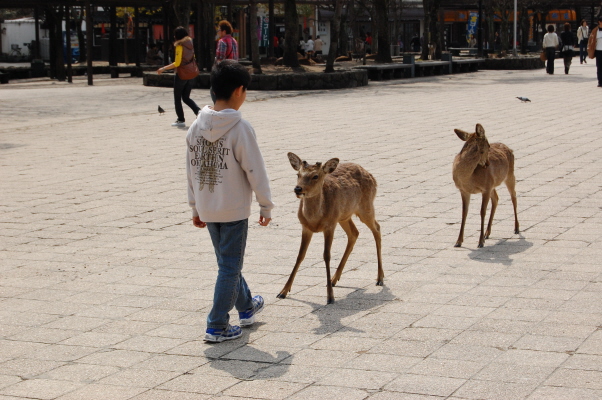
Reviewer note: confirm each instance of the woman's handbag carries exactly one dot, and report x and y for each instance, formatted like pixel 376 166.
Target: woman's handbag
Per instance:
pixel 188 71
pixel 543 56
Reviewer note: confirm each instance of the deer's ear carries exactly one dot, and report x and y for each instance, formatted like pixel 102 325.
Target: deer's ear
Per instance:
pixel 330 165
pixel 462 134
pixel 295 161
pixel 480 131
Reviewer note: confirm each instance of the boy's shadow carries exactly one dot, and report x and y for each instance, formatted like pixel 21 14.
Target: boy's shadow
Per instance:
pixel 331 316
pixel 242 361
pixel 500 252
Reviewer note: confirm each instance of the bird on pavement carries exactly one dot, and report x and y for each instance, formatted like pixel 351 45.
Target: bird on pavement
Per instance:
pixel 161 111
pixel 524 99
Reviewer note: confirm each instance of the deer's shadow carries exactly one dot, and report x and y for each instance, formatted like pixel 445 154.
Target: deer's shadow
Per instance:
pixel 331 316
pixel 501 251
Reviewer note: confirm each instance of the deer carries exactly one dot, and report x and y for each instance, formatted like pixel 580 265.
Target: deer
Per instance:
pixel 331 194
pixel 480 168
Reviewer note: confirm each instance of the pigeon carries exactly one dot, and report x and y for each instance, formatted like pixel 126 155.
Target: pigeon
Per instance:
pixel 161 111
pixel 524 99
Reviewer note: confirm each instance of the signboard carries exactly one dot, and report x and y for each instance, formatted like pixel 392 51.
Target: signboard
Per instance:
pixel 265 32
pixel 473 21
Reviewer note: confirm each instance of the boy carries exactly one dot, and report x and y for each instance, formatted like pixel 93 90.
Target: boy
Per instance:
pixel 224 168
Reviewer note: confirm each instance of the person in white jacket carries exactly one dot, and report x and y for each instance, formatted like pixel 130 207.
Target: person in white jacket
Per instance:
pixel 224 168
pixel 550 44
pixel 582 37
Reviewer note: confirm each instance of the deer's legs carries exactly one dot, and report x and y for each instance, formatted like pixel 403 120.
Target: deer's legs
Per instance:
pixel 375 228
pixel 465 204
pixel 510 183
pixel 484 204
pixel 494 199
pixel 305 239
pixel 328 237
pixel 352 234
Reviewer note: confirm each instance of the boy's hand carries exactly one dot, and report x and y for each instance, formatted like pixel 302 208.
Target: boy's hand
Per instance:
pixel 196 221
pixel 264 221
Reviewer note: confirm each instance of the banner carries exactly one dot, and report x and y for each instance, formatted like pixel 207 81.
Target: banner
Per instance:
pixel 471 30
pixel 265 32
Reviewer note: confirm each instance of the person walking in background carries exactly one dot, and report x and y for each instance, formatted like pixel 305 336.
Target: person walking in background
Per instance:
pixel 227 47
pixel 182 85
pixel 309 48
pixel 550 44
pixel 415 43
pixel 594 48
pixel 582 36
pixel 568 42
pixel 318 43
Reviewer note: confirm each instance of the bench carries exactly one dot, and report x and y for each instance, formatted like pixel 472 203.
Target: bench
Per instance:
pixel 455 51
pixel 4 77
pixel 471 65
pixel 428 68
pixel 133 70
pixel 381 72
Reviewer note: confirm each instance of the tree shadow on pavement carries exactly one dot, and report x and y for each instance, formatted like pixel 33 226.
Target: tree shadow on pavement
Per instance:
pixel 500 252
pixel 331 316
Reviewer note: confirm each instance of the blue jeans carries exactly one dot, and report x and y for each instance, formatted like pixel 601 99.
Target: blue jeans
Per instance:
pixel 181 92
pixel 582 50
pixel 229 241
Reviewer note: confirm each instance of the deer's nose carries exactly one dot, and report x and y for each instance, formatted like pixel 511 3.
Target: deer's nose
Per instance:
pixel 298 190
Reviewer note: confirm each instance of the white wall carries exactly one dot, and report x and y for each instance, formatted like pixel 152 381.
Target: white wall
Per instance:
pixel 18 31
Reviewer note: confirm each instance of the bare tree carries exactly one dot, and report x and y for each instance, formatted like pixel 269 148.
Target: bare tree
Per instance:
pixel 382 20
pixel 255 58
pixel 334 40
pixel 432 33
pixel 291 22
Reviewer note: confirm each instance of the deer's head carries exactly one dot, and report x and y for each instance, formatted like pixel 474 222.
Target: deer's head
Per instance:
pixel 476 144
pixel 310 178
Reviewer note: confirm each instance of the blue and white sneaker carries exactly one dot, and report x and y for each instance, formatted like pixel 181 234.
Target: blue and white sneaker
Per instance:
pixel 247 318
pixel 214 335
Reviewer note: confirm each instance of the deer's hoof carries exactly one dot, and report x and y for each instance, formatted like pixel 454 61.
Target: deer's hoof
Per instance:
pixel 458 245
pixel 480 245
pixel 379 282
pixel 517 231
pixel 330 301
pixel 281 295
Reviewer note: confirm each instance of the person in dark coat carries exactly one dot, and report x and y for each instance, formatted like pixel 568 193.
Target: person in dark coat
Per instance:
pixel 568 41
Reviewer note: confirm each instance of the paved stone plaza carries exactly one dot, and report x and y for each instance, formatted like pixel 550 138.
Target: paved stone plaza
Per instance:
pixel 105 284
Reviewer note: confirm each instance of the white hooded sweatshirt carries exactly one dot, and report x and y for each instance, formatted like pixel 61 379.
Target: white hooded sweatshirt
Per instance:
pixel 224 168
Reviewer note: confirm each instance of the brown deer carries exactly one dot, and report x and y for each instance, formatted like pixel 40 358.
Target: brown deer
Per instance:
pixel 480 168
pixel 332 193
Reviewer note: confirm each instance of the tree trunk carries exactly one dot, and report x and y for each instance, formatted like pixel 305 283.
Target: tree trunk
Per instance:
pixel 255 58
pixel 383 36
pixel 54 17
pixel 207 56
pixel 181 13
pixel 291 39
pixel 432 36
pixel 335 35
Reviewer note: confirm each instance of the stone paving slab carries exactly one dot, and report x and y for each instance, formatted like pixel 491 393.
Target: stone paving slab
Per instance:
pixel 105 284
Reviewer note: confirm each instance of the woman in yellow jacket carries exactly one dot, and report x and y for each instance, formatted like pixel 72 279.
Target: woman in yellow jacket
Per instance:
pixel 594 48
pixel 182 88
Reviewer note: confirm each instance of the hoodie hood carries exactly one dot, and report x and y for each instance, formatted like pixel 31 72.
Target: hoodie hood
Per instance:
pixel 187 44
pixel 215 124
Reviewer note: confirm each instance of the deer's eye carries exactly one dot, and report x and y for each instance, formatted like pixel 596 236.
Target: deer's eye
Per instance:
pixel 315 177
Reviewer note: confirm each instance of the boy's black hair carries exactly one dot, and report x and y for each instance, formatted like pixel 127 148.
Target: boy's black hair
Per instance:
pixel 226 76
pixel 550 28
pixel 180 33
